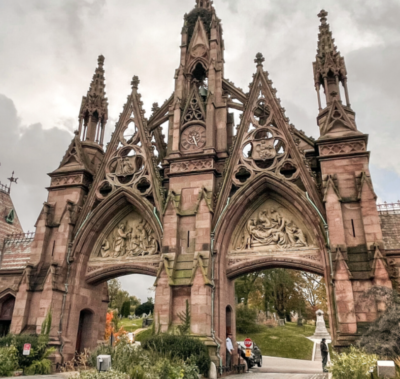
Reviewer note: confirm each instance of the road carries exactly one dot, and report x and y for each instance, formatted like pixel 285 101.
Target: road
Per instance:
pixel 282 368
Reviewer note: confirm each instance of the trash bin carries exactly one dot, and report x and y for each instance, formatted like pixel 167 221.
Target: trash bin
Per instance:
pixel 103 362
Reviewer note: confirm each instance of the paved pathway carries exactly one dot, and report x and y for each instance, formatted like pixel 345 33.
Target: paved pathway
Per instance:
pixel 253 375
pixel 283 368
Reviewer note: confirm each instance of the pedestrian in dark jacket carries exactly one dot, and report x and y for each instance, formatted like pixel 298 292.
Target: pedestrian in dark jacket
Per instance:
pixel 324 353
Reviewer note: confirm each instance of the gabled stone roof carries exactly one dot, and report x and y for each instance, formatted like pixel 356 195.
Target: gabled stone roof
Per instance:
pixel 12 225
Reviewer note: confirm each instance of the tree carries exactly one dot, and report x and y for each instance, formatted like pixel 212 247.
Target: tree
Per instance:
pixel 116 295
pixel 144 308
pixel 383 336
pixel 246 319
pixel 314 290
pixel 245 285
pixel 121 298
pixel 134 301
pixel 114 286
pixel 126 309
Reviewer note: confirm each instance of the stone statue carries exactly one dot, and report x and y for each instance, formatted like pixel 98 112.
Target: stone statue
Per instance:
pixel 270 228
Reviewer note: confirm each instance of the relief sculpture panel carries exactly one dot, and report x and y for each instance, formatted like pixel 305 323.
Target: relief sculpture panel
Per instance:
pixel 131 237
pixel 272 227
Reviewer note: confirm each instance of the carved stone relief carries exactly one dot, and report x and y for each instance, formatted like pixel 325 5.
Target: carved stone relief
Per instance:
pixel 272 226
pixel 342 148
pixel 69 180
pixel 132 237
pixel 189 166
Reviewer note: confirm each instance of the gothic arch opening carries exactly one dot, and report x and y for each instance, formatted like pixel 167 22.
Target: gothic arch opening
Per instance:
pixel 6 311
pixel 84 336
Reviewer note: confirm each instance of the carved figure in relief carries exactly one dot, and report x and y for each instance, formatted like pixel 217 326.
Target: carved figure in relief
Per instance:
pixel 120 240
pixel 105 248
pixel 129 241
pixel 271 228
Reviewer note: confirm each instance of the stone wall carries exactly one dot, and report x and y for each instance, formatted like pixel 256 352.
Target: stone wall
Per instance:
pixel 390 223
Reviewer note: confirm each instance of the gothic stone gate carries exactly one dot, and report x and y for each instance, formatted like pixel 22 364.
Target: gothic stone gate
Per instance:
pixel 207 206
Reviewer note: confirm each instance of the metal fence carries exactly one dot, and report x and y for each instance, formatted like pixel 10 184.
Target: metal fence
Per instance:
pixel 392 208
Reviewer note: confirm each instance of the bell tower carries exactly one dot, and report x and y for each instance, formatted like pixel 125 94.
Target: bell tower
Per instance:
pixel 198 126
pixel 196 152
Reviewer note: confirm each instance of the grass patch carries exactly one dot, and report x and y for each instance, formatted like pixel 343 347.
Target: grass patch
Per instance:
pixel 130 325
pixel 283 341
pixel 143 335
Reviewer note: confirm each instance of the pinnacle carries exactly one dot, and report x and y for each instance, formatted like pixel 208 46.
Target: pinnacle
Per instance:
pixel 259 59
pixel 100 60
pixel 322 15
pixel 135 82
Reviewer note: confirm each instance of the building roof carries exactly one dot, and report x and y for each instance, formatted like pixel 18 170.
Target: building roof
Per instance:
pixel 9 222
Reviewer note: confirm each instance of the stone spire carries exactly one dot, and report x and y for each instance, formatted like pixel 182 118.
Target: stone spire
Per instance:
pixel 206 4
pixel 329 66
pixel 93 114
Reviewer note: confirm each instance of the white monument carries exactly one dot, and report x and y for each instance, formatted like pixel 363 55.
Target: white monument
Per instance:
pixel 320 330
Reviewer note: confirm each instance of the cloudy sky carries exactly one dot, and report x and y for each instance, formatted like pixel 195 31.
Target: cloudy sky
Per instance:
pixel 49 50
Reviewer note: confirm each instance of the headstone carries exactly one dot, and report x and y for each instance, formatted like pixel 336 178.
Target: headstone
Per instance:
pixel 213 371
pixel 281 322
pixel 386 369
pixel 320 330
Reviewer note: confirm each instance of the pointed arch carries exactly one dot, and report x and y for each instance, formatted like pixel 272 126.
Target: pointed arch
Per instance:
pixel 257 190
pixel 115 205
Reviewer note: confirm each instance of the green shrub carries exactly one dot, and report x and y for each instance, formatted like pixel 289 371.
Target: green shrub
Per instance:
pixel 39 349
pixel 94 374
pixel 246 320
pixel 8 361
pixel 144 364
pixel 181 347
pixel 354 364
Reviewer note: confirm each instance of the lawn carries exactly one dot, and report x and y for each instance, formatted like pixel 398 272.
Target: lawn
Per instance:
pixel 130 325
pixel 287 341
pixel 143 335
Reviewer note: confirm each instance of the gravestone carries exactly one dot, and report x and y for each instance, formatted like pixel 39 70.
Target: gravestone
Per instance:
pixel 320 330
pixel 386 369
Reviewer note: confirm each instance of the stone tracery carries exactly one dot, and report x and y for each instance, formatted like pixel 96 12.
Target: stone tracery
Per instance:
pixel 264 147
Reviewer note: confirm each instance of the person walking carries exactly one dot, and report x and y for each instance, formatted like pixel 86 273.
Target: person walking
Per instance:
pixel 242 354
pixel 324 353
pixel 229 351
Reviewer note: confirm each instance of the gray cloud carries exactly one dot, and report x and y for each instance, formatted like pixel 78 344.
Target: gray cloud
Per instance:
pixel 31 152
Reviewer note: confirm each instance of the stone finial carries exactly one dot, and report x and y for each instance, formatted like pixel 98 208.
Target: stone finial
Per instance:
pixel 259 59
pixel 155 107
pixel 135 82
pixel 100 60
pixel 76 132
pixel 322 15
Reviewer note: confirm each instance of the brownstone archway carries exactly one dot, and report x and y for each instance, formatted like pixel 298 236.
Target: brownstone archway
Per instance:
pixel 87 299
pixel 230 265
